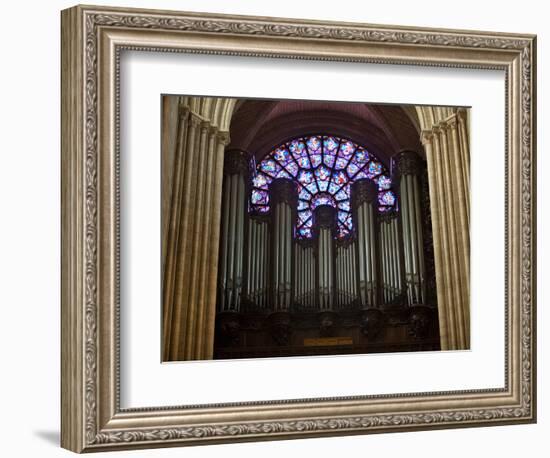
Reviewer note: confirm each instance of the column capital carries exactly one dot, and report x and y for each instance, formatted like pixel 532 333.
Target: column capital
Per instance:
pixel 363 190
pixel 236 162
pixel 283 190
pixel 386 217
pixel 408 163
pixel 324 216
pixel 426 137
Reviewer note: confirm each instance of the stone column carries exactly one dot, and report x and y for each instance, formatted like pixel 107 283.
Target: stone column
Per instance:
pixel 192 239
pixel 408 168
pixel 283 196
pixel 324 226
pixel 364 197
pixel 447 154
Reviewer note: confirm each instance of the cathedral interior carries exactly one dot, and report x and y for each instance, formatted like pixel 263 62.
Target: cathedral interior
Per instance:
pixel 294 228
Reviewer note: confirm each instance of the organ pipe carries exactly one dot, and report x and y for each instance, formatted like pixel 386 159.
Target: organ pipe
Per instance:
pixel 409 166
pixel 364 194
pixel 236 169
pixel 284 196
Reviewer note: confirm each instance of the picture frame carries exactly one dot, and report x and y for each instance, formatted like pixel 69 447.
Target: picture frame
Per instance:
pixel 92 41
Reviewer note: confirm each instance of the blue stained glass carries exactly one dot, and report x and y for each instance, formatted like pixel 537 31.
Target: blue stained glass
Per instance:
pixel 282 155
pixel 347 148
pixel 305 232
pixel 342 216
pixel 386 198
pixel 259 197
pixel 341 163
pixel 292 167
pixel 312 188
pixel 361 157
pixel 383 182
pixel 261 181
pixel 321 199
pixel 344 205
pixel 330 144
pixel 303 162
pixel 304 194
pixel 270 167
pixel 283 174
pixel 328 159
pixel 361 174
pixel 303 205
pixel 305 177
pixel 297 148
pixel 303 216
pixel 384 209
pixel 339 178
pixel 352 169
pixel 342 232
pixel 348 223
pixel 375 168
pixel 316 159
pixel 313 144
pixel 324 176
pixel 322 173
pixel 341 195
pixel 333 187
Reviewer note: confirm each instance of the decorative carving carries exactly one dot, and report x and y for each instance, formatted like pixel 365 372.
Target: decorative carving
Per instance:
pixel 387 217
pixel 237 162
pixel 407 163
pixel 93 21
pixel 372 323
pixel 279 327
pixel 363 190
pixel 324 216
pixel 283 190
pixel 327 321
pixel 420 321
pixel 228 327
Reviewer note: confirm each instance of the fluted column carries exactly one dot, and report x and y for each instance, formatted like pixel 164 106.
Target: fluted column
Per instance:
pixel 188 281
pixel 364 195
pixel 236 169
pixel 408 168
pixel 447 154
pixel 283 195
pixel 324 226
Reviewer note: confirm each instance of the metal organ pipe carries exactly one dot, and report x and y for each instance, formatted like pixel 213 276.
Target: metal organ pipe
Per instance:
pixel 236 169
pixel 409 167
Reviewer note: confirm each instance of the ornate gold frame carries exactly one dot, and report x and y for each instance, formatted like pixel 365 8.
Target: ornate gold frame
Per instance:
pixel 92 38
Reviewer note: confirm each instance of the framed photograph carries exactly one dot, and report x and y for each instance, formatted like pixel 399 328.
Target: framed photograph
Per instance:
pixel 279 228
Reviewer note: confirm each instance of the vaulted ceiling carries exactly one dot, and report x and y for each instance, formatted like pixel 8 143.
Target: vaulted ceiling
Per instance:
pixel 257 126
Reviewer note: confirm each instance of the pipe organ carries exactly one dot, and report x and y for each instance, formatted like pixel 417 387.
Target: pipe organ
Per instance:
pixel 265 266
pixel 408 167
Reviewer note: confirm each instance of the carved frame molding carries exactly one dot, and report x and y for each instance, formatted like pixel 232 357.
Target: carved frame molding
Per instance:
pixel 92 39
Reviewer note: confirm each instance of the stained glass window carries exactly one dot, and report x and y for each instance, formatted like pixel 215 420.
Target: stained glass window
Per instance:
pixel 324 167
